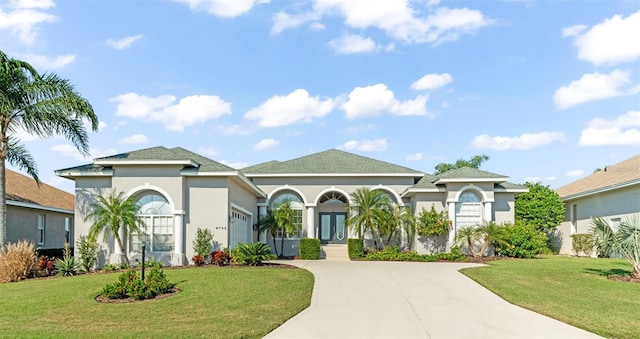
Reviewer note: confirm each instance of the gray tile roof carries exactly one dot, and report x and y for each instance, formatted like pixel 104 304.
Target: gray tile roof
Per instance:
pixel 159 153
pixel 510 186
pixel 426 182
pixel 257 167
pixel 330 162
pixel 468 172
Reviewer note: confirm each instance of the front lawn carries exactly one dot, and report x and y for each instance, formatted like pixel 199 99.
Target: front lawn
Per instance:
pixel 573 290
pixel 240 302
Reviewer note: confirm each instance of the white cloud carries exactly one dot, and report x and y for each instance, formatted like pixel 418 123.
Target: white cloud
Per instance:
pixel 175 116
pixel 375 145
pixel 621 131
pixel 265 143
pixel 414 157
pixel 237 129
pixel 22 19
pixel 235 164
pixel 525 141
pixel 398 19
pixel 316 26
pixel 592 86
pixel 574 173
pixel 371 101
pixel 361 129
pixel 125 42
pixel 44 62
pixel 296 106
pixel 135 139
pixel 208 151
pixel 70 151
pixel 353 44
pixel 574 30
pixel 223 8
pixel 432 81
pixel 612 41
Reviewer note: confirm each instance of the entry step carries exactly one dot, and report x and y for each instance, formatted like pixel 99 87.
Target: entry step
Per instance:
pixel 334 252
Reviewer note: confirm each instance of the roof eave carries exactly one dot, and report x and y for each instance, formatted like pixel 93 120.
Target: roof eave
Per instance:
pixel 110 162
pixel 455 180
pixel 71 173
pixel 271 175
pixel 600 190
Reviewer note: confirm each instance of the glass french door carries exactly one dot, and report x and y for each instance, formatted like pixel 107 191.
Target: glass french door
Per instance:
pixel 333 229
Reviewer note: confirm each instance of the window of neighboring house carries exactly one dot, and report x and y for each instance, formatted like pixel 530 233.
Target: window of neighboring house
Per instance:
pixel 67 231
pixel 296 206
pixel 155 212
pixel 41 228
pixel 574 219
pixel 615 223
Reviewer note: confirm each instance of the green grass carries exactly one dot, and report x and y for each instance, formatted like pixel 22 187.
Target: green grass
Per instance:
pixel 573 290
pixel 213 303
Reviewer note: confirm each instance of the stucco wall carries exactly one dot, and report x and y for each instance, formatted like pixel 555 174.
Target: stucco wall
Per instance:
pixel 617 203
pixel 22 224
pixel 503 207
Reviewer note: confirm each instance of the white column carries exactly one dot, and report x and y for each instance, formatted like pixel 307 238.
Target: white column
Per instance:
pixel 452 216
pixel 488 212
pixel 262 211
pixel 311 217
pixel 178 232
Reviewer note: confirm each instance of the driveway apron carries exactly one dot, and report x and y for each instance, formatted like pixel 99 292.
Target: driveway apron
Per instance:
pixel 354 299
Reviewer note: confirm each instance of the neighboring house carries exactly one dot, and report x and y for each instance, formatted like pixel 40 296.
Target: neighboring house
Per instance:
pixel 179 191
pixel 612 193
pixel 41 213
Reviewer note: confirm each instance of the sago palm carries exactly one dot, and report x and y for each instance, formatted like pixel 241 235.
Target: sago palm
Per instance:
pixel 625 241
pixel 43 105
pixel 112 214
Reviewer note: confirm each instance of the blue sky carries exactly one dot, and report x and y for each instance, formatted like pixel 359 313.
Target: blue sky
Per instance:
pixel 549 90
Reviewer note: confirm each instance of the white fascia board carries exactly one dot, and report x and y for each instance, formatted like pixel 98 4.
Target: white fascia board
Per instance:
pixel 446 180
pixel 511 190
pixel 70 174
pixel 411 191
pixel 600 190
pixel 298 175
pixel 38 207
pixel 111 162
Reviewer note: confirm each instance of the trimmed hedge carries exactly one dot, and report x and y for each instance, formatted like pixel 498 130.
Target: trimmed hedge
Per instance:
pixel 356 248
pixel 393 253
pixel 582 242
pixel 309 249
pixel 523 240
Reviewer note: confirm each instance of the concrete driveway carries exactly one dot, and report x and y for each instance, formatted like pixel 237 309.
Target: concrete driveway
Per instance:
pixel 410 300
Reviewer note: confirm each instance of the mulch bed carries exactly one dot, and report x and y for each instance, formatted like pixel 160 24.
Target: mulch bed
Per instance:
pixel 624 278
pixel 106 300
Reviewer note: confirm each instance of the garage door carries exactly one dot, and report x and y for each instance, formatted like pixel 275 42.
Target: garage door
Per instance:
pixel 240 228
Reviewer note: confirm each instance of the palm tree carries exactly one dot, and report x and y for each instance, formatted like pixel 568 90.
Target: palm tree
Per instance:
pixel 42 105
pixel 283 216
pixel 492 233
pixel 396 219
pixel 468 235
pixel 625 241
pixel 268 224
pixel 367 212
pixel 112 214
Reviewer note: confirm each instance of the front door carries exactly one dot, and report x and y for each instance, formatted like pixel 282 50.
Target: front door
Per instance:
pixel 333 229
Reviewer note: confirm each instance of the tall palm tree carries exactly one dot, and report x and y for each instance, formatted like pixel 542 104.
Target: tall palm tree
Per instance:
pixel 42 105
pixel 367 212
pixel 112 214
pixel 624 241
pixel 396 219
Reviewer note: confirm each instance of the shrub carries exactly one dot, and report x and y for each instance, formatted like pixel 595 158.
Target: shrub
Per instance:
pixel 67 266
pixel 198 260
pixel 130 285
pixel 17 261
pixel 433 223
pixel 154 263
pixel 455 254
pixel 582 242
pixel 523 240
pixel 110 267
pixel 356 248
pixel 46 264
pixel 252 254
pixel 87 250
pixel 202 245
pixel 220 258
pixel 309 249
pixel 392 253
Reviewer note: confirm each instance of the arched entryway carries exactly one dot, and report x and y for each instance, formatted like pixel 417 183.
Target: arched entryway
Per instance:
pixel 332 215
pixel 155 211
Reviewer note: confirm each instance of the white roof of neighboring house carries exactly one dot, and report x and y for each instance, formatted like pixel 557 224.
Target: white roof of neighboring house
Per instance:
pixel 622 174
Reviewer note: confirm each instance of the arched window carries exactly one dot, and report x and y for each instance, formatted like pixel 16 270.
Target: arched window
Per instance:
pixel 297 206
pixel 155 212
pixel 333 198
pixel 468 210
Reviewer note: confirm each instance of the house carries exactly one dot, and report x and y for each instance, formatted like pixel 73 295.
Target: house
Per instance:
pixel 41 213
pixel 179 191
pixel 612 193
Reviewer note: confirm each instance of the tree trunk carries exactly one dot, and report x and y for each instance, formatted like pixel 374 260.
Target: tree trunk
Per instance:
pixel 282 243
pixel 123 253
pixel 485 247
pixel 3 196
pixel 636 271
pixel 470 244
pixel 275 247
